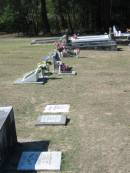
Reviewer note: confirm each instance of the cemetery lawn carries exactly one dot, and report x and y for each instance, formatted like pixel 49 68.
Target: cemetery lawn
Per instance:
pixel 97 138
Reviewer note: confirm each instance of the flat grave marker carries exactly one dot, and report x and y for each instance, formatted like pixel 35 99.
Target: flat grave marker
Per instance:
pixel 40 161
pixel 51 120
pixel 62 108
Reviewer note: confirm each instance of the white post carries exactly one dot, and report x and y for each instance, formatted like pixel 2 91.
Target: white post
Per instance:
pixel 59 69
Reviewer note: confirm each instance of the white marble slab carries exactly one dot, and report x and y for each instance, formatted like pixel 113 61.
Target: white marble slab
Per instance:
pixel 40 161
pixel 68 73
pixel 62 108
pixel 51 120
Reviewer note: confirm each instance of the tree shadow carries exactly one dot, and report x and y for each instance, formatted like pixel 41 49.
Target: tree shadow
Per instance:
pixel 10 165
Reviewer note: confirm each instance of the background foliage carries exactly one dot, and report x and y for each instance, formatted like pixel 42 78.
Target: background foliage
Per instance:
pixel 33 17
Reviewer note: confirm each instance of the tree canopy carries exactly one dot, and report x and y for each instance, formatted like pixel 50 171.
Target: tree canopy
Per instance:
pixel 32 17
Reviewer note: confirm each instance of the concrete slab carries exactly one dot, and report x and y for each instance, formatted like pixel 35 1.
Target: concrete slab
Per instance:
pixel 51 120
pixel 40 161
pixel 21 81
pixel 68 73
pixel 62 108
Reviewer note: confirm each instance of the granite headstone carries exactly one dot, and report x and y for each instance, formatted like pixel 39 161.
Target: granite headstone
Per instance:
pixel 8 138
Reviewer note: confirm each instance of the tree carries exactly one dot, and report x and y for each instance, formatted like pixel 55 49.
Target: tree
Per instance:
pixel 85 16
pixel 45 22
pixel 7 19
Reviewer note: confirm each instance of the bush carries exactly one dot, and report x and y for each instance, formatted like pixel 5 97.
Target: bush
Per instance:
pixel 7 19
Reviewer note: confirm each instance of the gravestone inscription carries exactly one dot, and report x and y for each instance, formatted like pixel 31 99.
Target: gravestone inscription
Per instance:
pixel 62 108
pixel 51 120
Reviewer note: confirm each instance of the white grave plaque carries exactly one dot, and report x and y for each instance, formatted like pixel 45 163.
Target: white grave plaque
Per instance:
pixel 51 120
pixel 64 108
pixel 40 161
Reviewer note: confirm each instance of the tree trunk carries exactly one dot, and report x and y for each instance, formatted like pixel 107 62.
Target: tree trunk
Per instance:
pixel 45 23
pixel 60 11
pixel 70 24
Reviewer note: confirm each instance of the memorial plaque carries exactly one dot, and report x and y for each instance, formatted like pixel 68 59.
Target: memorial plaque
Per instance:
pixel 64 108
pixel 51 120
pixel 40 161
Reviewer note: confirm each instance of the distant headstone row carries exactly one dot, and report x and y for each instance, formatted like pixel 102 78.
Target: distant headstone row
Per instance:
pixel 97 42
pixel 42 73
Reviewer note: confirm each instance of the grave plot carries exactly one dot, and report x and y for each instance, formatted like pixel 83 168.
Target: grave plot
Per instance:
pixel 40 161
pixel 121 38
pixel 51 120
pixel 62 108
pixel 39 75
pixel 96 42
pixel 30 77
pixel 61 68
pixel 64 69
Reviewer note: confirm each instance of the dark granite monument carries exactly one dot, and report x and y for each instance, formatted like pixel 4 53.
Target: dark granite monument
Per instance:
pixel 8 137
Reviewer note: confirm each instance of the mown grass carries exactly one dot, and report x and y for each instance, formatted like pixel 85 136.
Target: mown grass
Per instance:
pixel 17 57
pixel 99 99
